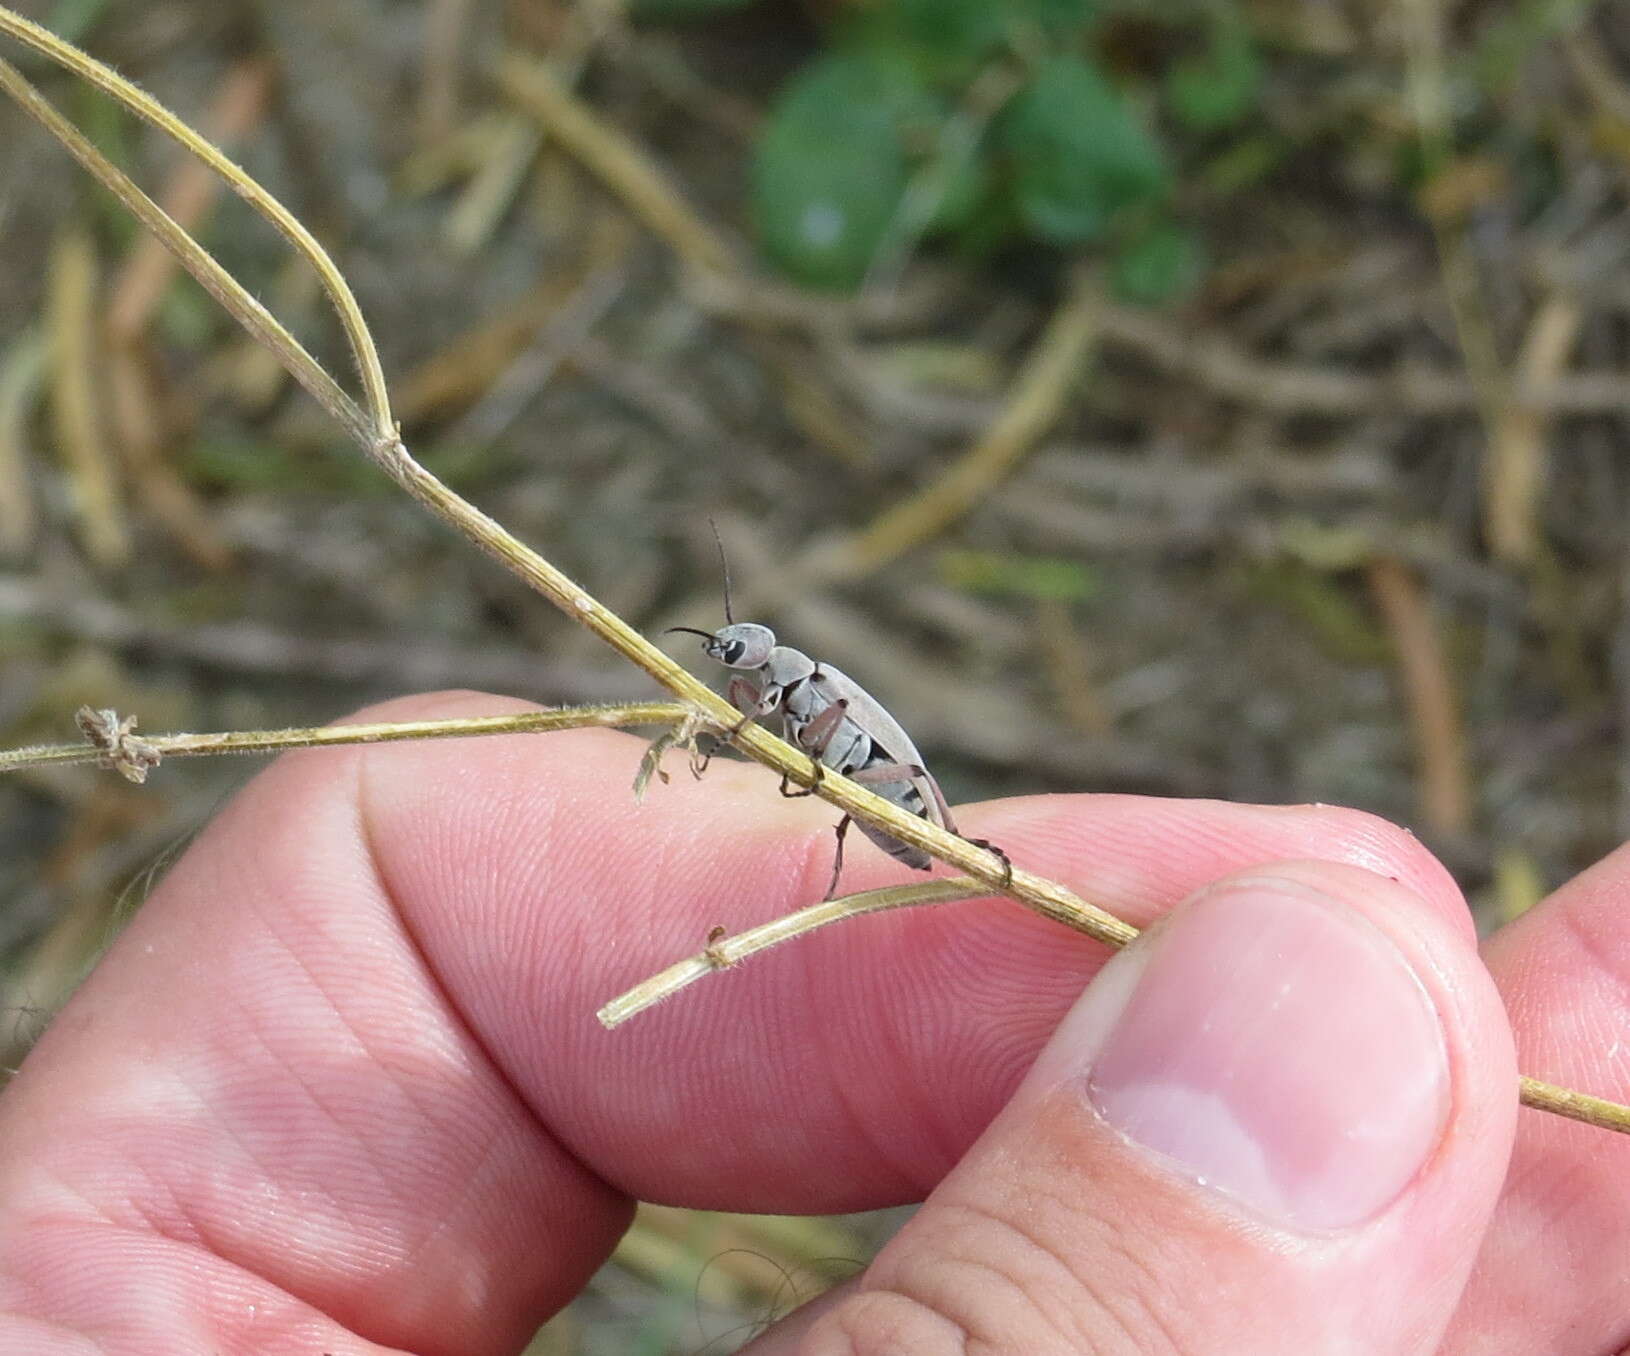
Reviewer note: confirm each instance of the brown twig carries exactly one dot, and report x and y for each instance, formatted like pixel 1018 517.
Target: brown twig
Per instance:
pixel 1514 472
pixel 616 161
pixel 21 369
pixel 1440 744
pixel 1038 396
pixel 251 647
pixel 444 28
pixel 75 402
pixel 1226 370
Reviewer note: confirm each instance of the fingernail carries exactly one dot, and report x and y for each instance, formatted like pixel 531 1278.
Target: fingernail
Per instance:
pixel 1271 1043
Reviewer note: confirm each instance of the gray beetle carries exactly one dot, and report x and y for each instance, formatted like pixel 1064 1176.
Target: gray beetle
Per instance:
pixel 838 723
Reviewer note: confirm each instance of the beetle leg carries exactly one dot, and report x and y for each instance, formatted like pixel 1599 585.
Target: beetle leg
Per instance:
pixel 816 777
pixel 837 860
pixel 881 774
pixel 746 698
pixel 817 735
pixel 990 847
pixel 699 762
pixel 742 694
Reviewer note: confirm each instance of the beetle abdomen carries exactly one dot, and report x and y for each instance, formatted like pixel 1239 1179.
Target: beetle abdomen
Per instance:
pixel 908 798
pixel 914 857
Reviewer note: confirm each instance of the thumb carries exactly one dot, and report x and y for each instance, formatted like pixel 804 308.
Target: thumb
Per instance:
pixel 1276 1123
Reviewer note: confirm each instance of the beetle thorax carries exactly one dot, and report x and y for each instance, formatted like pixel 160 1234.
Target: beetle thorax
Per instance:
pixel 787 666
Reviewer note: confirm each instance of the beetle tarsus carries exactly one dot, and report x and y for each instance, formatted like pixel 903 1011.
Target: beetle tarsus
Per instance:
pixel 837 860
pixel 699 762
pixel 1007 862
pixel 816 777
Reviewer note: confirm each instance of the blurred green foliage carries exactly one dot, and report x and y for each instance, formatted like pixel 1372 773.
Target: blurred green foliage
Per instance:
pixel 1076 152
pixel 1003 575
pixel 985 123
pixel 831 170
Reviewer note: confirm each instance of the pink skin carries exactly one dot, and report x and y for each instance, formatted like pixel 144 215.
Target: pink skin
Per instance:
pixel 339 1087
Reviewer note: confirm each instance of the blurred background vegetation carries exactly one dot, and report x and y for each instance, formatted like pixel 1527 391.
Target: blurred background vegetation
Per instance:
pixel 1212 397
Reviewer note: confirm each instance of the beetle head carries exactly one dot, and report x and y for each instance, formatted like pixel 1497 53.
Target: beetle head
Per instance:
pixel 741 645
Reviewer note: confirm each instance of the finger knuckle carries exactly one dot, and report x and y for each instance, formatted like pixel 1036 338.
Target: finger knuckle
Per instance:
pixel 984 1286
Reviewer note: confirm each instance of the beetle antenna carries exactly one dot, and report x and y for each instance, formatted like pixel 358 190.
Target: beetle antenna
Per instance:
pixel 724 565
pixel 689 630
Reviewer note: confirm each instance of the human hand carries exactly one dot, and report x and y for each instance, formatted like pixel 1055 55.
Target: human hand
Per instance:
pixel 339 1087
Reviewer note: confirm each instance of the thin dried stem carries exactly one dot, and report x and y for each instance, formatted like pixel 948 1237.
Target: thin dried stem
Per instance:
pixel 1429 689
pixel 384 732
pixel 1231 373
pixel 1519 442
pixel 22 367
pixel 1576 1106
pixel 723 952
pixel 75 405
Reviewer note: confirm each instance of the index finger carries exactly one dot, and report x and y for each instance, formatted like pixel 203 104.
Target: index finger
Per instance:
pixel 343 1071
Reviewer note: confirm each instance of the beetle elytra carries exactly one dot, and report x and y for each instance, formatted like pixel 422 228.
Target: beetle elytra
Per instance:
pixel 837 723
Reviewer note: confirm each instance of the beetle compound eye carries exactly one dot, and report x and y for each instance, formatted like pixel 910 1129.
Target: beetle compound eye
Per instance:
pixel 732 652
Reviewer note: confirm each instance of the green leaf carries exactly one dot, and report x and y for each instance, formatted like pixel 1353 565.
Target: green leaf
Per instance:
pixel 830 169
pixel 959 181
pixel 1064 18
pixel 1158 265
pixel 1216 89
pixel 992 224
pixel 947 41
pixel 1078 153
pixel 943 41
